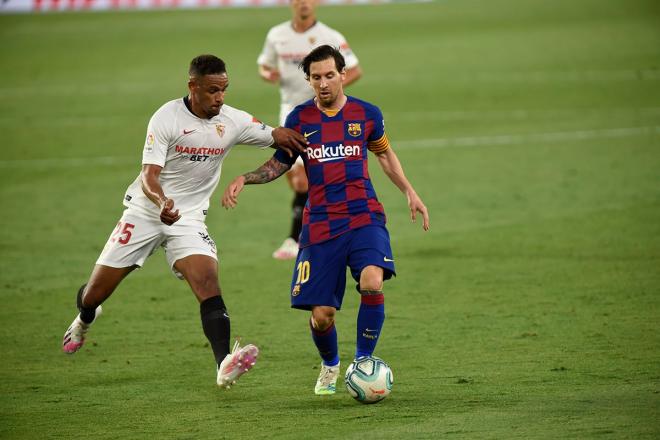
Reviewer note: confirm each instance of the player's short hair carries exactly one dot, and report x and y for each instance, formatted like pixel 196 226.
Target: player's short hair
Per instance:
pixel 323 53
pixel 206 65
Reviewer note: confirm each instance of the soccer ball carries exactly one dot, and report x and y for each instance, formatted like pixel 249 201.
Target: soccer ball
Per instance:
pixel 369 379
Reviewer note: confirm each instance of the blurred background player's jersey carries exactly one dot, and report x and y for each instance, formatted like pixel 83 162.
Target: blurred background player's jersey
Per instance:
pixel 191 151
pixel 285 48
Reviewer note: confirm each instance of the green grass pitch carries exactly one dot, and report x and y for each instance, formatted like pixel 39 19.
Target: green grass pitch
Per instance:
pixel 529 311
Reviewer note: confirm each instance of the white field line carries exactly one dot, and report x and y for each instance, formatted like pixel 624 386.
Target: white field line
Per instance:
pixel 69 162
pixel 529 77
pixel 514 139
pixel 521 114
pixel 471 141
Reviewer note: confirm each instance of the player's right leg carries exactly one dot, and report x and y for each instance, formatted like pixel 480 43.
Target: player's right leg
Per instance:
pixel 103 281
pixel 132 241
pixel 318 285
pixel 324 335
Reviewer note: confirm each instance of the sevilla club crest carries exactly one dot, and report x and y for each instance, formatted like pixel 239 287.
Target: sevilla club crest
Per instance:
pixel 220 128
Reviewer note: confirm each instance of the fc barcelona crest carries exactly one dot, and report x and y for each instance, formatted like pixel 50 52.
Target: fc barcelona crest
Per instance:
pixel 354 129
pixel 220 128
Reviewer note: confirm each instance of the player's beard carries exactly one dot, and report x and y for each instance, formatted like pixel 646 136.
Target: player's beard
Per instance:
pixel 213 111
pixel 328 98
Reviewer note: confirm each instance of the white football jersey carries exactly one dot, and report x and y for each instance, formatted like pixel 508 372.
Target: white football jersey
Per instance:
pixel 285 48
pixel 191 151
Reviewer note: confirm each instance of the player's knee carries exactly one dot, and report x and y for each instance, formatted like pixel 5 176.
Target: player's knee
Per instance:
pixel 322 318
pixel 205 285
pixel 371 278
pixel 323 323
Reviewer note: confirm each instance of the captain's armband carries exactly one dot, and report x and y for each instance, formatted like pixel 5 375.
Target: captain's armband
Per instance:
pixel 379 146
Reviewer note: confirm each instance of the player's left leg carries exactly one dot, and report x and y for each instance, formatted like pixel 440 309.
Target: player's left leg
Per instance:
pixel 201 273
pixel 371 314
pixel 371 262
pixel 193 256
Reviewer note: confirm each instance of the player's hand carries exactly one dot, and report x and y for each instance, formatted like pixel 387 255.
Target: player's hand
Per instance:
pixel 289 140
pixel 270 75
pixel 167 213
pixel 273 76
pixel 230 197
pixel 416 205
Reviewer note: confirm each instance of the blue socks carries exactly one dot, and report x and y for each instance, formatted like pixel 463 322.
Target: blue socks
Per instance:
pixel 369 322
pixel 371 317
pixel 326 342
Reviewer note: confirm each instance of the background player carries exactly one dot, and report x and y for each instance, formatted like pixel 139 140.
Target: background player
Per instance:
pixel 187 141
pixel 343 222
pixel 285 47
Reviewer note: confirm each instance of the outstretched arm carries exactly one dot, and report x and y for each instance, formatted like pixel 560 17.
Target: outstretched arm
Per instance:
pixel 267 172
pixel 289 140
pixel 392 167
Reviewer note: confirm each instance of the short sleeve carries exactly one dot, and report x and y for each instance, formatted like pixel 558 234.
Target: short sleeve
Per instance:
pixel 377 141
pixel 268 55
pixel 378 131
pixel 291 120
pixel 157 141
pixel 348 54
pixel 253 131
pixel 283 156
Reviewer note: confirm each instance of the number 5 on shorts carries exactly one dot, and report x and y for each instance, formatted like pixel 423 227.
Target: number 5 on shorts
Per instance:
pixel 123 230
pixel 303 270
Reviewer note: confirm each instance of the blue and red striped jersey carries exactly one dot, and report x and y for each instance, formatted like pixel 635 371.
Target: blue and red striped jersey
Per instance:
pixel 341 196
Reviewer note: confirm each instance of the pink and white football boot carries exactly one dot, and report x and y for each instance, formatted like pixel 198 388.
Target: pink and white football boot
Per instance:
pixel 74 337
pixel 236 363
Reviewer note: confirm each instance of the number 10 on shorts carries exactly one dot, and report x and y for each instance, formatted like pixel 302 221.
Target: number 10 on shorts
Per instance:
pixel 303 272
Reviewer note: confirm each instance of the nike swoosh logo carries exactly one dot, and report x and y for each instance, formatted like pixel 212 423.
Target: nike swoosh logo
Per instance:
pixel 188 131
pixel 370 330
pixel 309 134
pixel 387 259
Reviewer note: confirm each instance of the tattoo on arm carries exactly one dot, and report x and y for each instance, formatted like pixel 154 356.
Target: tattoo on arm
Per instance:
pixel 271 170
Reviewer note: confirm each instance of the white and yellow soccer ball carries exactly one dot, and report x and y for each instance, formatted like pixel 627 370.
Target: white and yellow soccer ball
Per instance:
pixel 369 379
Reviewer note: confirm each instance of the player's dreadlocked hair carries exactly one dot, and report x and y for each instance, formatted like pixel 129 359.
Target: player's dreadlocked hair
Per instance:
pixel 323 53
pixel 206 65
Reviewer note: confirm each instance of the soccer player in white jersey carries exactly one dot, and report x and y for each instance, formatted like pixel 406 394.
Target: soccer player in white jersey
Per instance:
pixel 285 47
pixel 187 140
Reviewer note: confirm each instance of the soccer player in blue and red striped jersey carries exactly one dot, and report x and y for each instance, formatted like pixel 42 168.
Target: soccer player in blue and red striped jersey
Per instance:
pixel 343 221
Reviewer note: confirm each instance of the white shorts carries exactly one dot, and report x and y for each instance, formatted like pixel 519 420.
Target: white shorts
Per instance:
pixel 135 238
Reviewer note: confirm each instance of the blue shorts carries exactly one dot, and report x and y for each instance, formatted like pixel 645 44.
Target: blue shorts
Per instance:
pixel 319 277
